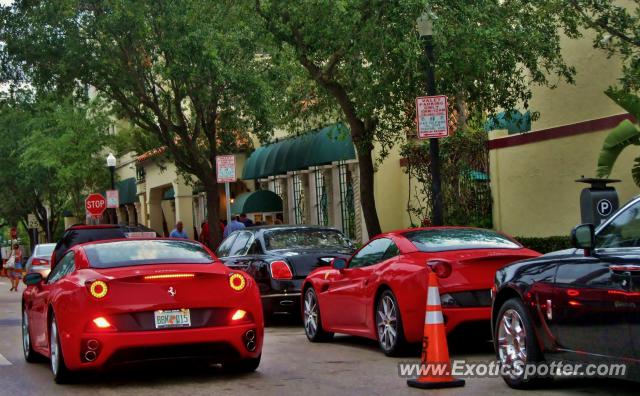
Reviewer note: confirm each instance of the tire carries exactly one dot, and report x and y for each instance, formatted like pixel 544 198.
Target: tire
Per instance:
pixel 389 325
pixel 61 374
pixel 311 318
pixel 243 366
pixel 30 356
pixel 513 325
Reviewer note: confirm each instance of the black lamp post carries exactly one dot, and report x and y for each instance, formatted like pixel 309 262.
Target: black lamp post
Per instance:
pixel 425 29
pixel 111 164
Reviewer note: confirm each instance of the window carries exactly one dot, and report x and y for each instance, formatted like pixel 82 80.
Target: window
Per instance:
pixel 65 266
pixel 146 252
pixel 347 201
pixel 299 210
pixel 225 246
pixel 446 239
pixel 306 238
pixel 322 202
pixel 241 244
pixel 623 231
pixel 392 251
pixel 371 254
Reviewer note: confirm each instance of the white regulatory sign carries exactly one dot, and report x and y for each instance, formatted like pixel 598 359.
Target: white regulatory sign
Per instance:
pixel 433 117
pixel 226 168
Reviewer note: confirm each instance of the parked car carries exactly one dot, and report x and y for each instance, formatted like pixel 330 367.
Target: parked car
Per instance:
pixel 384 285
pixel 82 233
pixel 280 257
pixel 40 259
pixel 580 304
pixel 115 302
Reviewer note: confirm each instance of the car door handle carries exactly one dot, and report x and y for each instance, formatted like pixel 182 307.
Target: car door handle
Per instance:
pixel 625 268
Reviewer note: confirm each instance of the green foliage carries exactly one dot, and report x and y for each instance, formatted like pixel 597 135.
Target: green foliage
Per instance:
pixel 546 244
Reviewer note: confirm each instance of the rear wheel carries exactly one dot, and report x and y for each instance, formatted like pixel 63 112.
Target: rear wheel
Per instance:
pixel 61 374
pixel 389 324
pixel 243 366
pixel 516 345
pixel 30 355
pixel 311 317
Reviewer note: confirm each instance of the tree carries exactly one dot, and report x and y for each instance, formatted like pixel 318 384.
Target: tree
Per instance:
pixel 50 156
pixel 187 72
pixel 366 59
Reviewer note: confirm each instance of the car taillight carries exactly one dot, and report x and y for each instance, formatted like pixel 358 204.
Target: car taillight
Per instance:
pixel 40 262
pixel 280 270
pixel 441 268
pixel 169 276
pixel 98 289
pixel 237 282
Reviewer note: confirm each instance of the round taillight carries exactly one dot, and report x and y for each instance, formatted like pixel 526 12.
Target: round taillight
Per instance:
pixel 441 268
pixel 237 282
pixel 98 289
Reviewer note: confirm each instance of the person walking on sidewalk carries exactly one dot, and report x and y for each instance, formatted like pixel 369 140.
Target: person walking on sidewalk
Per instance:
pixel 14 267
pixel 179 232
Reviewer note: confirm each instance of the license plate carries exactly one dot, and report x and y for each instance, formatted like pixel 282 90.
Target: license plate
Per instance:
pixel 172 318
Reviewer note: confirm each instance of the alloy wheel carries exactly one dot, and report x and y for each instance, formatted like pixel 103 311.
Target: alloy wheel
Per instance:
pixel 512 339
pixel 310 313
pixel 54 348
pixel 26 341
pixel 387 322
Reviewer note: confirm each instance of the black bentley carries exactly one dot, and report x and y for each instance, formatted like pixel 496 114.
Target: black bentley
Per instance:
pixel 577 305
pixel 280 257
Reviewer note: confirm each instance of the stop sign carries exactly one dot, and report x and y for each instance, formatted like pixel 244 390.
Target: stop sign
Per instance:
pixel 95 204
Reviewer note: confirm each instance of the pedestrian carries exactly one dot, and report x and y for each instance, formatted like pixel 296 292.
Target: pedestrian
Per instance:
pixel 178 232
pixel 14 267
pixel 245 220
pixel 233 225
pixel 204 233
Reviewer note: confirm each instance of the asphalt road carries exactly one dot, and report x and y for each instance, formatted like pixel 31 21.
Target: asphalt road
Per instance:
pixel 290 365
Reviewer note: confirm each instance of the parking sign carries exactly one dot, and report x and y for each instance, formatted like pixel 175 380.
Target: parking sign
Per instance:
pixel 433 116
pixel 226 168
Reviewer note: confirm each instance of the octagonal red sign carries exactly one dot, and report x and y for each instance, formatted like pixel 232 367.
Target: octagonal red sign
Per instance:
pixel 95 204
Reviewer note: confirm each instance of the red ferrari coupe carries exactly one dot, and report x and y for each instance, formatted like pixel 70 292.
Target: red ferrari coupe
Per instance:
pixel 380 292
pixel 121 301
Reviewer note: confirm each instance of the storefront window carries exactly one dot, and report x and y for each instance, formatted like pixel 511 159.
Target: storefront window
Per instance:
pixel 298 200
pixel 322 207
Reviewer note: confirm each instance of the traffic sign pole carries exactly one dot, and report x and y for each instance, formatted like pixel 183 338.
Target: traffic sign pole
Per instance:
pixel 227 192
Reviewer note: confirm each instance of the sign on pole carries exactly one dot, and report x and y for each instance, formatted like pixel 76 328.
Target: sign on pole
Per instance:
pixel 32 221
pixel 95 204
pixel 113 199
pixel 226 171
pixel 433 117
pixel 226 168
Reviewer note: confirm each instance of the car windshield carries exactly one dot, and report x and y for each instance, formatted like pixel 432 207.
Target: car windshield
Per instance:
pixel 44 250
pixel 302 238
pixel 143 252
pixel 445 239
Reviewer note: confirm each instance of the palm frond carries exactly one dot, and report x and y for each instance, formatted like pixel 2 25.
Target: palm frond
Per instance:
pixel 622 136
pixel 626 100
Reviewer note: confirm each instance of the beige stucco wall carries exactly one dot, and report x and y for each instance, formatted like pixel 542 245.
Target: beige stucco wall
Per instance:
pixel 391 192
pixel 534 193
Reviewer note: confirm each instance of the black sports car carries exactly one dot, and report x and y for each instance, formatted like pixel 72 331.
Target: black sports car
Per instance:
pixel 280 257
pixel 579 305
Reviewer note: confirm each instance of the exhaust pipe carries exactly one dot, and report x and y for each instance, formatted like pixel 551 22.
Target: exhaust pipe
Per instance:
pixel 251 346
pixel 93 345
pixel 90 356
pixel 250 335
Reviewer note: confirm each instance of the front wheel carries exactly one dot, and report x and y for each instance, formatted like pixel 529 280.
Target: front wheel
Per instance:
pixel 516 345
pixel 389 324
pixel 311 317
pixel 61 374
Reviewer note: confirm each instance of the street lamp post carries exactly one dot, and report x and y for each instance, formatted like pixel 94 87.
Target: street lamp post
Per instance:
pixel 425 29
pixel 111 164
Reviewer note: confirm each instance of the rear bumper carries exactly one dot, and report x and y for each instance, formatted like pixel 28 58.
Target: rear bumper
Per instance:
pixel 217 344
pixel 281 303
pixel 453 317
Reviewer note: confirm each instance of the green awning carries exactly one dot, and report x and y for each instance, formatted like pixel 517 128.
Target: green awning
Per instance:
pixel 127 191
pixel 261 201
pixel 315 148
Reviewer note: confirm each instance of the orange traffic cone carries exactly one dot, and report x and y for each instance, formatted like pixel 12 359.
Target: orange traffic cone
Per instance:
pixel 436 364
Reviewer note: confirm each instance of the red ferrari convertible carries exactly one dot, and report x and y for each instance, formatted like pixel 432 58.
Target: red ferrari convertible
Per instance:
pixel 380 292
pixel 122 301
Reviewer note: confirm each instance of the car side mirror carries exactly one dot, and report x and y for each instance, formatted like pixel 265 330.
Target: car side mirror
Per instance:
pixel 339 264
pixel 33 278
pixel 584 237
